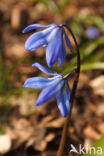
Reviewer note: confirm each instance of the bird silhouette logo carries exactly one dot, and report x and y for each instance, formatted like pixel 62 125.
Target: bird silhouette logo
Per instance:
pixel 73 149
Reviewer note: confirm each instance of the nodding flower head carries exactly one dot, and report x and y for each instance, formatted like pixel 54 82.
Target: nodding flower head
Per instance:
pixel 93 32
pixel 56 86
pixel 51 38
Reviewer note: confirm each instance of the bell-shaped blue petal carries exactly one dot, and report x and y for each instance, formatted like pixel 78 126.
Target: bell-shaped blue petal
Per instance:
pixel 68 41
pixel 68 90
pixel 38 82
pixel 37 26
pixel 50 92
pixel 43 69
pixel 53 48
pixel 35 41
pixel 53 34
pixel 62 54
pixel 63 102
pixel 38 39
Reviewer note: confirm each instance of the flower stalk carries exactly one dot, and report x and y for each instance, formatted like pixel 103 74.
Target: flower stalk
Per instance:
pixel 65 129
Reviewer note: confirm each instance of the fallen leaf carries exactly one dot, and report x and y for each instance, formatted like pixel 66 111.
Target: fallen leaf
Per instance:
pixel 98 85
pixel 5 143
pixel 91 133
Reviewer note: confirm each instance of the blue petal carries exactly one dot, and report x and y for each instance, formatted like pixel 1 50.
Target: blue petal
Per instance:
pixel 43 69
pixel 68 41
pixel 38 82
pixel 68 90
pixel 35 41
pixel 63 102
pixel 50 92
pixel 93 32
pixel 37 26
pixel 62 55
pixel 53 49
pixel 53 33
pixel 38 39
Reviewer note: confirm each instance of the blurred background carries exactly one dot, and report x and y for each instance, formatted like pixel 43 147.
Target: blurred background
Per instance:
pixel 27 130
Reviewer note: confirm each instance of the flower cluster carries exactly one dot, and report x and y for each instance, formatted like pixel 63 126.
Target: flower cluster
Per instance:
pixel 52 37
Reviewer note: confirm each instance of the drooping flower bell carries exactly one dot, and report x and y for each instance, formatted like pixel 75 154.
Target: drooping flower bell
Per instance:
pixel 51 38
pixel 93 32
pixel 56 86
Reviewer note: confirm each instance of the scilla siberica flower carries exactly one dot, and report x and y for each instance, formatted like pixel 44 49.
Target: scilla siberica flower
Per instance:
pixel 93 32
pixel 51 38
pixel 52 87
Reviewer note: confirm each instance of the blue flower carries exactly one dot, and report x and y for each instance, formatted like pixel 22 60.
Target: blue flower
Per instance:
pixel 51 38
pixel 56 86
pixel 93 32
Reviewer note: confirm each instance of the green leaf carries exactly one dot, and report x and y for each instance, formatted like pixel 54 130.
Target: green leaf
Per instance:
pixel 92 66
pixel 50 4
pixel 61 4
pixel 99 148
pixel 77 28
pixel 89 47
pixel 95 20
